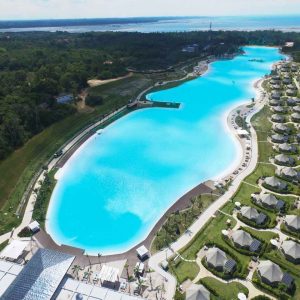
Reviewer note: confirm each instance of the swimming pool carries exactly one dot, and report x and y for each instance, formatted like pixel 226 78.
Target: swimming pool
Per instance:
pixel 118 184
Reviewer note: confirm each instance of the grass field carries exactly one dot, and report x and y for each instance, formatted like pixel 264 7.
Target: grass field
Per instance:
pixel 224 291
pixel 20 167
pixel 210 233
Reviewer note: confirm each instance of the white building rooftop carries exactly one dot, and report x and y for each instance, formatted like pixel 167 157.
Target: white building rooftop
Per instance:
pixel 8 273
pixel 14 249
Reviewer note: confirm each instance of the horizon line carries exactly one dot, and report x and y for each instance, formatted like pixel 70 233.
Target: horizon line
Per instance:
pixel 149 17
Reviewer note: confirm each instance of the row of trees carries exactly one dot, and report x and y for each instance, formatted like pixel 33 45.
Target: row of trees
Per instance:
pixel 35 67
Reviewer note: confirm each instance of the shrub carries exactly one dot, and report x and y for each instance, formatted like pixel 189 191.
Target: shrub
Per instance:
pixel 261 297
pixel 93 100
pixel 25 232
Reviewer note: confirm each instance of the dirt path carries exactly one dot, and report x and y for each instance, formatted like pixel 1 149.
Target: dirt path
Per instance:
pixel 97 82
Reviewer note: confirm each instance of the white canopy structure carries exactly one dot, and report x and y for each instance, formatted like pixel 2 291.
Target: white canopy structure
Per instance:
pixel 142 252
pixel 109 274
pixel 14 250
pixel 242 132
pixel 34 226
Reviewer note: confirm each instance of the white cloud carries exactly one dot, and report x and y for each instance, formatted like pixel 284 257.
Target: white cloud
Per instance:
pixel 38 9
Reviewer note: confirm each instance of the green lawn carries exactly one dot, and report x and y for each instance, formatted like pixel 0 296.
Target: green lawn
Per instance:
pixel 20 167
pixel 224 291
pixel 43 198
pixel 3 245
pixel 262 235
pixel 210 233
pixel 243 195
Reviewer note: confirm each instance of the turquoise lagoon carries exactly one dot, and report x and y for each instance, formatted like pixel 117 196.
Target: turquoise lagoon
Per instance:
pixel 118 184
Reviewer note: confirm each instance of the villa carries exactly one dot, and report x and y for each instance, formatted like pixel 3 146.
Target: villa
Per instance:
pixel 271 274
pixel 287 80
pixel 253 215
pixel 274 183
pixel 274 83
pixel 278 138
pixel 276 78
pixel 294 68
pixel 276 87
pixel 292 222
pixel 276 95
pixel 285 68
pixel 282 159
pixel 291 92
pixel 276 102
pixel 288 173
pixel 277 118
pixel 217 259
pixel 270 201
pixel 197 292
pixel 243 239
pixel 296 109
pixel 281 128
pixel 291 102
pixel 289 148
pixel 295 117
pixel 291 250
pixel 279 109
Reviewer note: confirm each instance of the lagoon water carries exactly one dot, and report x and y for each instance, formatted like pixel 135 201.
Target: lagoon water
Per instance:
pixel 118 184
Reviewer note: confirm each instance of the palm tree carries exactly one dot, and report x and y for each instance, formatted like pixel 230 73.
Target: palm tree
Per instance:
pixel 136 272
pixel 127 272
pixel 99 257
pixel 193 200
pixel 151 283
pixel 88 274
pixel 88 259
pixel 140 283
pixel 162 290
pixel 76 269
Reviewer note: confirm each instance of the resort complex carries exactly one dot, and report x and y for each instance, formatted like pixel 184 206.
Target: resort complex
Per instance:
pixel 238 237
pixel 148 165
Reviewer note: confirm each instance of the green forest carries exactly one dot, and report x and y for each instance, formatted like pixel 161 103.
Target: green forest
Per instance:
pixel 36 67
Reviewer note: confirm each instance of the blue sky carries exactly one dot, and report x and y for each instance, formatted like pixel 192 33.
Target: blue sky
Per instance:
pixel 41 9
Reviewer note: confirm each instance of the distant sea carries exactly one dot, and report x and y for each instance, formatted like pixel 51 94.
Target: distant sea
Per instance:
pixel 157 24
